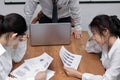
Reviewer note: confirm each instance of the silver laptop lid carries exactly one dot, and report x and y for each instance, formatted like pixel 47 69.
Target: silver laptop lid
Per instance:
pixel 50 33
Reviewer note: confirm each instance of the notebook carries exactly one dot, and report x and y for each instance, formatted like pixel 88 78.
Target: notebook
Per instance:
pixel 50 34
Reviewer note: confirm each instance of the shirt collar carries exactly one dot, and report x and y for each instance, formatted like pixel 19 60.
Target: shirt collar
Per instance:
pixel 2 49
pixel 114 47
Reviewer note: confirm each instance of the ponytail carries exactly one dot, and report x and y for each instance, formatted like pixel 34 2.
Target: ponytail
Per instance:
pixel 4 26
pixel 115 25
pixel 1 24
pixel 12 22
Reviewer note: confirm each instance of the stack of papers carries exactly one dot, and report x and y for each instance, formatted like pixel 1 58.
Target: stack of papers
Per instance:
pixel 69 59
pixel 32 66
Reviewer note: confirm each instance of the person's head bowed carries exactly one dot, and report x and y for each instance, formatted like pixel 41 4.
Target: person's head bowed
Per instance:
pixel 103 27
pixel 13 26
pixel 102 22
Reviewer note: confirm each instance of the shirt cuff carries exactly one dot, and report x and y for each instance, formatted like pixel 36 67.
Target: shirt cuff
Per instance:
pixel 86 76
pixel 78 27
pixel 89 76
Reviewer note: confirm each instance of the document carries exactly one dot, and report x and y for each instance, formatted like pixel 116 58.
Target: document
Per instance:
pixel 41 62
pixel 32 66
pixel 69 59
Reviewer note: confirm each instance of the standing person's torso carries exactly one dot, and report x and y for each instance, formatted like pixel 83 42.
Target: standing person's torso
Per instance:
pixel 63 8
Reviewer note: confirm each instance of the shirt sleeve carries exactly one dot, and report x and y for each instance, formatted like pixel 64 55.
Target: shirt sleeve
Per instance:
pixel 20 51
pixel 4 76
pixel 93 46
pixel 29 9
pixel 75 13
pixel 112 71
pixel 111 74
pixel 88 76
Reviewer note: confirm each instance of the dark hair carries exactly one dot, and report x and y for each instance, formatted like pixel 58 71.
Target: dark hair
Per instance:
pixel 1 24
pixel 1 18
pixel 101 22
pixel 13 23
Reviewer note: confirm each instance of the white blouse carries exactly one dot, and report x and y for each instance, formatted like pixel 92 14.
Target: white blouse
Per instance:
pixel 7 56
pixel 65 8
pixel 110 61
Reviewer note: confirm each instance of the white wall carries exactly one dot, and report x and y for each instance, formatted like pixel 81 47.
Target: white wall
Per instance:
pixel 91 10
pixel 15 8
pixel 88 11
pixel 5 9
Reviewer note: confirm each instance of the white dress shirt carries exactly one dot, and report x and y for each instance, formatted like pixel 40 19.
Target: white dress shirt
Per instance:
pixel 7 55
pixel 65 8
pixel 110 61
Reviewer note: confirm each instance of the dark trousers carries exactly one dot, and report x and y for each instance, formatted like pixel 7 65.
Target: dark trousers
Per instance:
pixel 45 19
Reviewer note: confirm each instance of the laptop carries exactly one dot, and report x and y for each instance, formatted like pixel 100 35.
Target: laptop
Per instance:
pixel 50 34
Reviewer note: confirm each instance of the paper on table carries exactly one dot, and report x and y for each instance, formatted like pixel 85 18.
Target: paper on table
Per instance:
pixel 69 59
pixel 22 70
pixel 31 66
pixel 50 74
pixel 42 62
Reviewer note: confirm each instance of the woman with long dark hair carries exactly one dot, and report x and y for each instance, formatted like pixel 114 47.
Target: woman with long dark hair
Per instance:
pixel 105 39
pixel 13 44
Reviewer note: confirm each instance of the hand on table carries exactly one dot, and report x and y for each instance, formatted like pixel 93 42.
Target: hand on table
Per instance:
pixel 77 33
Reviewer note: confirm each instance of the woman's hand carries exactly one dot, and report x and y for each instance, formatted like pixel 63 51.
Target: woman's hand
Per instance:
pixel 41 75
pixel 24 37
pixel 20 39
pixel 72 72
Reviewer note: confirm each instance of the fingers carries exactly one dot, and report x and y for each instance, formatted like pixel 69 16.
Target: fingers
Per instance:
pixel 72 72
pixel 67 69
pixel 41 75
pixel 34 20
pixel 77 33
pixel 24 37
pixel 78 36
